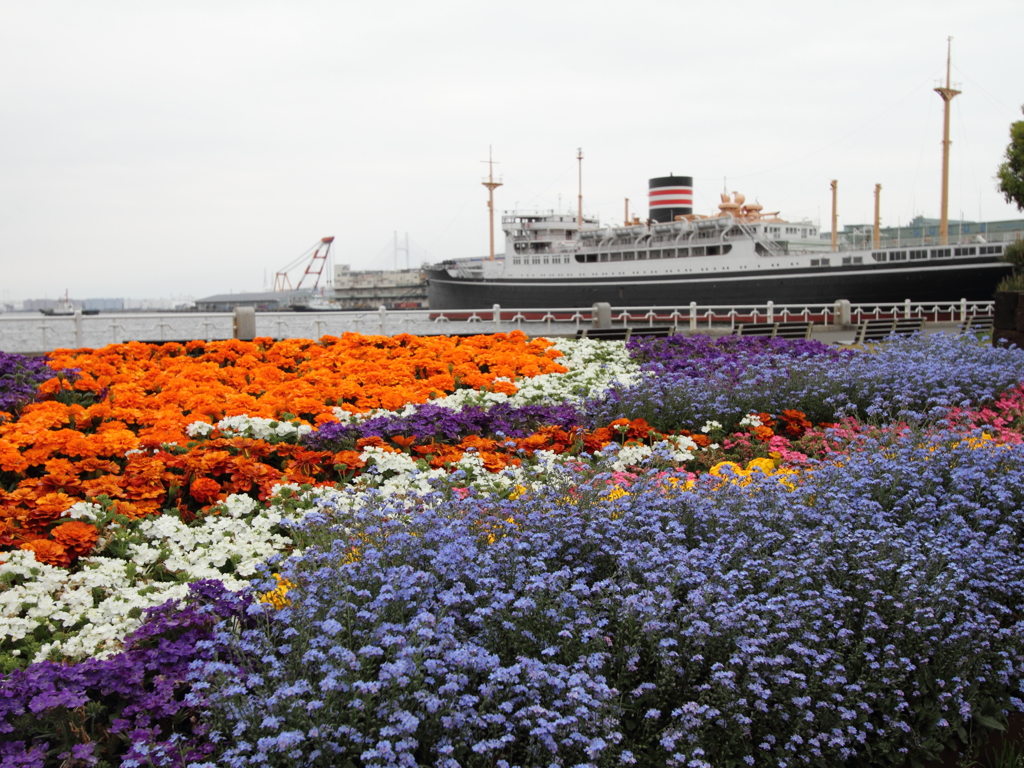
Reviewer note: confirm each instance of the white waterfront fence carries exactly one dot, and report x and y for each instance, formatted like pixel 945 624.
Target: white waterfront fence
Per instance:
pixel 37 333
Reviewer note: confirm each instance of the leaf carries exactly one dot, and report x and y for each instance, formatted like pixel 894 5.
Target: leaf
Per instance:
pixel 987 721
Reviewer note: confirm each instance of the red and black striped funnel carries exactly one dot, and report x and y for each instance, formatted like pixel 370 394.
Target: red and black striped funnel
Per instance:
pixel 670 196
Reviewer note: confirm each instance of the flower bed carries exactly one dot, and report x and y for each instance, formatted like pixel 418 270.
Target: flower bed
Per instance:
pixel 502 552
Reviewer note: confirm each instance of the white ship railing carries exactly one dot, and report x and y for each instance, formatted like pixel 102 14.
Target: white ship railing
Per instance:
pixel 863 241
pixel 34 334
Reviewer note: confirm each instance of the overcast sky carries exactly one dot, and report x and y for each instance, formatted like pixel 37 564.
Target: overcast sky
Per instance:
pixel 151 149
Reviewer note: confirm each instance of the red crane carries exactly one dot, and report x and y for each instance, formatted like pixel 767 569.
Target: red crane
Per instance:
pixel 317 258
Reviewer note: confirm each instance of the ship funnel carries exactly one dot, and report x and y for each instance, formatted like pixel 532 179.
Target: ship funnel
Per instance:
pixel 670 196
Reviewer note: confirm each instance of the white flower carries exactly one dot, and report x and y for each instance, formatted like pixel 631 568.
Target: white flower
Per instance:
pixel 93 605
pixel 198 429
pixel 679 447
pixel 83 510
pixel 593 366
pixel 631 455
pixel 260 428
pixel 750 420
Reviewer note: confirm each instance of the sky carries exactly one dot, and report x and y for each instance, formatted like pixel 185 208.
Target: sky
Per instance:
pixel 156 149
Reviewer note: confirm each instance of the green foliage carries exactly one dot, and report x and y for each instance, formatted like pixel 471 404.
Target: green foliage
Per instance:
pixel 1014 254
pixel 1011 172
pixel 1011 283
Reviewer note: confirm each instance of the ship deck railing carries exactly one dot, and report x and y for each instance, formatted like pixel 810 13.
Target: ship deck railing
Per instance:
pixel 33 333
pixel 864 242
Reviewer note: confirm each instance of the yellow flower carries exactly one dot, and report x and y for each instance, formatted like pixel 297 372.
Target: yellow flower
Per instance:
pixel 764 465
pixel 743 477
pixel 979 442
pixel 492 536
pixel 277 597
pixel 719 469
pixel 617 493
pixel 518 491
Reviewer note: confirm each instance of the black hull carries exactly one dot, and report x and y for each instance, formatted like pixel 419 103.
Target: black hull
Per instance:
pixel 938 281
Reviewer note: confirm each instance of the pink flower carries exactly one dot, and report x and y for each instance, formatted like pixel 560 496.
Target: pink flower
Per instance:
pixel 780 445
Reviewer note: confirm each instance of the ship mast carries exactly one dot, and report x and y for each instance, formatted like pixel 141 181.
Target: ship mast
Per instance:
pixel 835 214
pixel 947 95
pixel 876 239
pixel 579 199
pixel 491 185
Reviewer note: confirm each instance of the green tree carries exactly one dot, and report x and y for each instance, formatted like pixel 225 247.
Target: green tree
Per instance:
pixel 1011 173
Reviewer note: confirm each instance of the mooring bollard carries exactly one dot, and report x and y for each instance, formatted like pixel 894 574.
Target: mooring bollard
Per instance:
pixel 245 323
pixel 842 312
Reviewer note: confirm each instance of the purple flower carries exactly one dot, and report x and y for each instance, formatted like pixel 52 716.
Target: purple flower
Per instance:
pixel 136 698
pixel 20 376
pixel 445 425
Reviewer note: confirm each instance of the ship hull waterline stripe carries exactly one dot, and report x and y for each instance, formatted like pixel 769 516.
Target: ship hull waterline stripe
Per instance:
pixel 832 272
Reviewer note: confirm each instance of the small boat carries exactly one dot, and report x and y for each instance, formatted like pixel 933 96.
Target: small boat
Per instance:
pixel 65 308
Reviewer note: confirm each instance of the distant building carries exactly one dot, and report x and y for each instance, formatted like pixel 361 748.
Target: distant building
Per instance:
pixel 31 305
pixel 101 305
pixel 924 231
pixel 370 289
pixel 174 303
pixel 263 301
pixel 352 289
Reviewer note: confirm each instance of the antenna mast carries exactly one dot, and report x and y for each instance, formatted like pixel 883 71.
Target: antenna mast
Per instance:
pixel 947 95
pixel 491 185
pixel 579 199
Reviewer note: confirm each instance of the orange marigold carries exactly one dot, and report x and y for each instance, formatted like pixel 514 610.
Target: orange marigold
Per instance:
pixel 350 459
pixel 205 490
pixel 8 533
pixel 49 552
pixel 77 537
pixel 54 502
pixel 134 511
